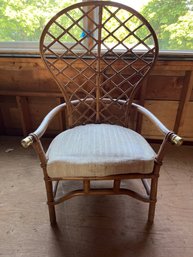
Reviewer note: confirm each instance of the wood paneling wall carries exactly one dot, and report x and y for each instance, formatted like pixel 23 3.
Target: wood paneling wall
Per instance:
pixel 27 93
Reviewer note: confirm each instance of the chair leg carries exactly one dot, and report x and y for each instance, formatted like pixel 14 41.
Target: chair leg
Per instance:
pixel 52 215
pixel 153 199
pixel 50 198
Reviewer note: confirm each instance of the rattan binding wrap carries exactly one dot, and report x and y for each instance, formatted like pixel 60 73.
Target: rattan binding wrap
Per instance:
pixel 103 63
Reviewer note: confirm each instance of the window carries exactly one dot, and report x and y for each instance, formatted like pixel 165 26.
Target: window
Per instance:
pixel 171 20
pixel 22 21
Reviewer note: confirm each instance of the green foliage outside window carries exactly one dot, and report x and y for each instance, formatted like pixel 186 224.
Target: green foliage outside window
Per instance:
pixel 173 22
pixel 23 20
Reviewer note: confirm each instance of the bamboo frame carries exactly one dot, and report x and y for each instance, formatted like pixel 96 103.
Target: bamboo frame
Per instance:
pixel 99 98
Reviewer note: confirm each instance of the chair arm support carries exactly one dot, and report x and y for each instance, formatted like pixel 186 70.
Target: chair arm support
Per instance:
pixel 172 137
pixel 38 133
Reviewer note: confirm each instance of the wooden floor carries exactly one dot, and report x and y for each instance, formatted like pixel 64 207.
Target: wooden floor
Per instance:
pixel 110 226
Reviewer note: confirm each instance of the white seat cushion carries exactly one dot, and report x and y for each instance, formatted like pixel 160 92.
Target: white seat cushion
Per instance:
pixel 99 150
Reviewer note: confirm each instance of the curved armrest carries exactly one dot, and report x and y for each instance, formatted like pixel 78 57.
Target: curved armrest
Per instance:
pixel 173 138
pixel 38 133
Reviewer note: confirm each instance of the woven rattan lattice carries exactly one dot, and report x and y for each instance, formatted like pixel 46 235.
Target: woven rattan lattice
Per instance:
pixel 98 52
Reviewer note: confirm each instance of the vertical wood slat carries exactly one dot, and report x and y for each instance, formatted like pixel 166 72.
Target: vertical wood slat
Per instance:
pixel 2 127
pixel 141 102
pixel 23 107
pixel 86 184
pixel 89 26
pixel 116 185
pixel 62 118
pixel 185 96
pixel 98 67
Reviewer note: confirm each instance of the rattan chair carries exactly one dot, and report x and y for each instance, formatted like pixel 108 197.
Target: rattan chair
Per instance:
pixel 99 53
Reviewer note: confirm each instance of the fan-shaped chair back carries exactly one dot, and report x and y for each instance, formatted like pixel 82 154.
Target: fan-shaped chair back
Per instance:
pixel 98 52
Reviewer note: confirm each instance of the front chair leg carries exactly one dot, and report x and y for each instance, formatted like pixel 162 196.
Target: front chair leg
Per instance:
pixel 153 200
pixel 48 183
pixel 50 198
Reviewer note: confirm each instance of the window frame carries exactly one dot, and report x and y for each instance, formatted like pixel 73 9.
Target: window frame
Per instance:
pixel 22 48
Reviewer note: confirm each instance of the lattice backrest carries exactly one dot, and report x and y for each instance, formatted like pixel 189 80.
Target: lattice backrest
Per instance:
pixel 98 52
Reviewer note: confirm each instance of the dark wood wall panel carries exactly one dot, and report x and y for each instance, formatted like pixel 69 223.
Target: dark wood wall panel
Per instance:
pixel 10 115
pixel 28 92
pixel 165 87
pixel 25 74
pixel 38 108
pixel 165 110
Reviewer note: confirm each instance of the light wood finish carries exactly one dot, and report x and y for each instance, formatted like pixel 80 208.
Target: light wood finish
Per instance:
pixel 167 117
pixel 25 114
pixel 186 127
pixel 105 226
